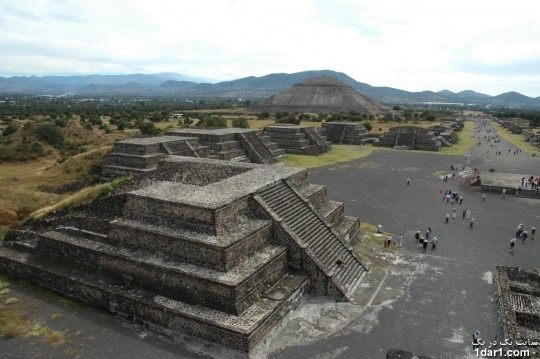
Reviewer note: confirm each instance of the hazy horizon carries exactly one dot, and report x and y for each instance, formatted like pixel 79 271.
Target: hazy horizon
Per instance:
pixel 484 46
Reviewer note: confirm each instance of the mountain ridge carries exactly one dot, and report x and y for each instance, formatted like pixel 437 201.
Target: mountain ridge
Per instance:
pixel 171 84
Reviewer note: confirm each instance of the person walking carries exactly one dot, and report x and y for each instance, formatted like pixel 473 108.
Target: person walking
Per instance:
pixel 524 236
pixel 417 236
pixel 424 245
pixel 464 211
pixel 533 231
pixel 476 338
pixel 468 214
pixel 512 244
pixel 454 213
pixel 400 240
pixel 483 197
pixel 434 242
pixel 408 181
pixel 447 218
pixel 471 223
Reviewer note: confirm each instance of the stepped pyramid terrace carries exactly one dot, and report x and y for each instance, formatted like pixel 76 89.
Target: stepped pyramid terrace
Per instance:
pixel 321 94
pixel 218 250
pixel 139 155
pixel 297 139
pixel 345 132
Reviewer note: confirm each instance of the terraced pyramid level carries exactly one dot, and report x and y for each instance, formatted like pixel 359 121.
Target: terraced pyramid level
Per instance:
pixel 217 250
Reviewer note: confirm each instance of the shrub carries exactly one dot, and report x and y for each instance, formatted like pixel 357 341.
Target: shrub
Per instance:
pixel 148 128
pixel 240 122
pixel 368 126
pixel 50 134
pixel 212 122
pixel 11 128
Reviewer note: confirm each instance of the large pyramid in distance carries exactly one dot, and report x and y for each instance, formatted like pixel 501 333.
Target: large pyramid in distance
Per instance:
pixel 321 94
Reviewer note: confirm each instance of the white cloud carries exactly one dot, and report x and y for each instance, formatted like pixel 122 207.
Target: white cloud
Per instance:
pixel 488 46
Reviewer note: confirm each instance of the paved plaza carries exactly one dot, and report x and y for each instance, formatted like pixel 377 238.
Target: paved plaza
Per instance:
pixel 428 304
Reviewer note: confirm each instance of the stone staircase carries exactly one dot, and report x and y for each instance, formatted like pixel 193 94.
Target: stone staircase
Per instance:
pixel 277 152
pixel 218 250
pixel 232 144
pixel 296 139
pixel 139 155
pixel 256 148
pixel 320 240
pixel 315 138
pixel 345 132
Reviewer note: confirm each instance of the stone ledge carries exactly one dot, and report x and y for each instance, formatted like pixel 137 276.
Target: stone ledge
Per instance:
pixel 237 332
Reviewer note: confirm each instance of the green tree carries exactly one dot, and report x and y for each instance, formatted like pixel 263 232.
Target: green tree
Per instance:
pixel 240 122
pixel 11 128
pixel 148 128
pixel 50 134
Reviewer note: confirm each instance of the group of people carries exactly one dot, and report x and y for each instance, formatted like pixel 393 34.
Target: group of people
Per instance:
pixel 390 239
pixel 426 240
pixel 530 182
pixel 522 234
pixel 451 196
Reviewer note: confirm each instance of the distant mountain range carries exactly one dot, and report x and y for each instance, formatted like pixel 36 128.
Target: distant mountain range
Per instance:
pixel 170 84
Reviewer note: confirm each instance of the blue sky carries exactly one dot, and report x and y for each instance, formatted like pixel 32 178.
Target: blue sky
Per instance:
pixel 487 46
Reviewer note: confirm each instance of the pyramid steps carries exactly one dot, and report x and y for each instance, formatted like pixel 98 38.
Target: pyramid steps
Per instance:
pixel 240 332
pixel 321 241
pixel 230 291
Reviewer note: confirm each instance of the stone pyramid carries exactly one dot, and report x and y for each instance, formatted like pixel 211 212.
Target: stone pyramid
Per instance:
pixel 321 94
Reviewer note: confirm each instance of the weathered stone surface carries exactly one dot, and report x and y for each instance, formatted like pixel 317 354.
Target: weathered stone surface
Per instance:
pixel 518 294
pixel 215 249
pixel 297 139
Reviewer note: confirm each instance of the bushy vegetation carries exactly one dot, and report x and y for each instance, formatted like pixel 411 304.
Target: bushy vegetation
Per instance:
pixel 212 121
pixel 50 134
pixel 240 122
pixel 531 115
pixel 10 128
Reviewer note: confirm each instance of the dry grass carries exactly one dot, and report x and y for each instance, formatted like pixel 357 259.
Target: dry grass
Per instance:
pixel 14 323
pixel 23 184
pixel 84 195
pixel 517 140
pixel 466 141
pixel 339 153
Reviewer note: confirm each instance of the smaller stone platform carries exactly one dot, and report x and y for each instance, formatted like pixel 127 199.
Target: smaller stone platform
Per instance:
pixel 511 182
pixel 297 139
pixel 139 155
pixel 345 132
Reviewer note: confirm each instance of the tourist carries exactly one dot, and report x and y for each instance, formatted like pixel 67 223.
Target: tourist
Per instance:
pixel 460 199
pixel 468 214
pixel 434 242
pixel 408 181
pixel 464 212
pixel 446 218
pixel 476 339
pixel 512 244
pixel 504 192
pixel 424 245
pixel 471 223
pixel 483 197
pixel 533 231
pixel 454 213
pixel 400 240
pixel 524 237
pixel 417 236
